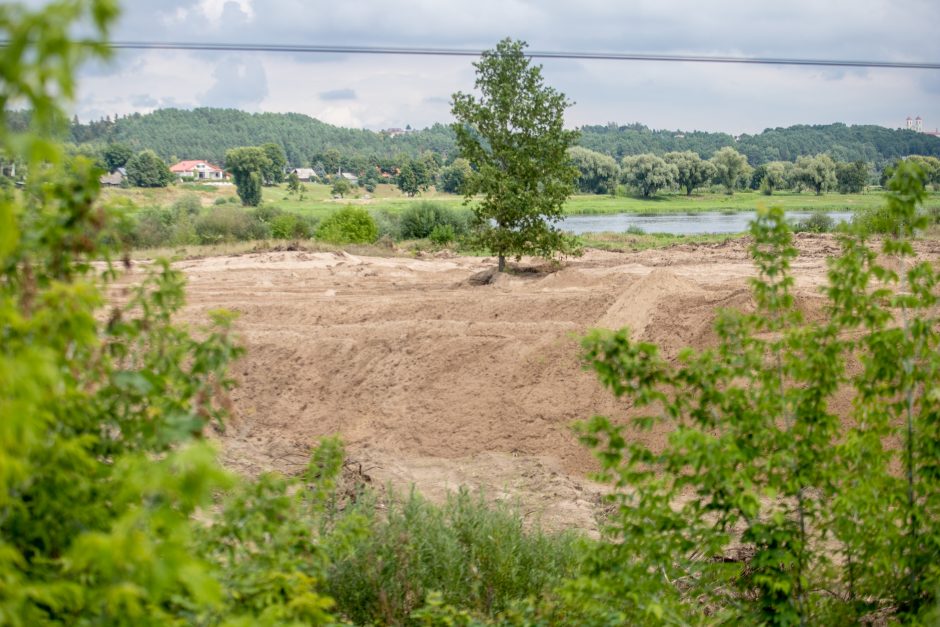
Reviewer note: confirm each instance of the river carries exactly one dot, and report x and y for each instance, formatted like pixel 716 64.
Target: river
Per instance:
pixel 678 224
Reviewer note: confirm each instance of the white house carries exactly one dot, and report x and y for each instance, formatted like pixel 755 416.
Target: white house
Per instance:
pixel 196 169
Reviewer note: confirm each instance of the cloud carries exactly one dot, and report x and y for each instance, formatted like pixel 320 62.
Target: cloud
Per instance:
pixel 379 91
pixel 239 84
pixel 338 94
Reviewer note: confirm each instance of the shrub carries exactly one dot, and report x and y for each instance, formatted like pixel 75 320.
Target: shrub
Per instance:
pixel 388 223
pixel 229 224
pixel 290 226
pixel 875 221
pixel 419 220
pixel 443 234
pixel 190 203
pixel 350 225
pixel 635 229
pixel 221 200
pixel 476 556
pixel 152 228
pixel 818 222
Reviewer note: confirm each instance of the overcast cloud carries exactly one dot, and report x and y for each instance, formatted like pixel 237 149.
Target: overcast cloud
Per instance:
pixel 366 91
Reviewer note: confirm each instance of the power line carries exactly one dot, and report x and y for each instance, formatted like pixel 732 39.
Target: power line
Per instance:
pixel 457 52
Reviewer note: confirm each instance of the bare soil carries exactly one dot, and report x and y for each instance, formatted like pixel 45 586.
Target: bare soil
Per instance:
pixel 437 375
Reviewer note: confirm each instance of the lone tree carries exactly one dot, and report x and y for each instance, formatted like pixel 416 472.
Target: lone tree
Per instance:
pixel 247 165
pixel 513 137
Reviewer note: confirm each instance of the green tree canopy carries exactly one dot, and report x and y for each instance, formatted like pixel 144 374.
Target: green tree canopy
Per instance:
pixel 648 173
pixel 513 135
pixel 116 156
pixel 146 169
pixel 817 173
pixel 453 177
pixel 413 177
pixel 247 165
pixel 273 174
pixel 852 177
pixel 340 187
pixel 598 173
pixel 692 170
pixel 730 166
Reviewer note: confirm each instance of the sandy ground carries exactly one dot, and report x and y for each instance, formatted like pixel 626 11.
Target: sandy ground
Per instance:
pixel 436 381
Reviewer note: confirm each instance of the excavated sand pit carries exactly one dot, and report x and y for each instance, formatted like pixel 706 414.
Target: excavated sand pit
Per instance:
pixel 435 378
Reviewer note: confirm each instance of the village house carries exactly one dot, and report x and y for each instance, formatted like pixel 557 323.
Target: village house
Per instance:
pixel 305 174
pixel 113 179
pixel 198 170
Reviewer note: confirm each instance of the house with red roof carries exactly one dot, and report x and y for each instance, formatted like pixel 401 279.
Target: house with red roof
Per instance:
pixel 198 170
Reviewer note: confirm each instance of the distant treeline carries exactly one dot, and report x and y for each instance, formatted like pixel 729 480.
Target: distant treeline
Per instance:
pixel 207 133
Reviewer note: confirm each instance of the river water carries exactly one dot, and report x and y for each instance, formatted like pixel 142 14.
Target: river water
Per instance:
pixel 696 224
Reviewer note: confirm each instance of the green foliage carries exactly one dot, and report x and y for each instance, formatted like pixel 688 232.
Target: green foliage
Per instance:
pixel 930 166
pixel 273 173
pixel 691 170
pixel 475 556
pixel 836 515
pixel 598 173
pixel 414 177
pixel 294 186
pixel 648 174
pixel 146 169
pixel 229 224
pixel 442 234
pixel 420 219
pixel 248 165
pixel 818 173
pixel 291 226
pixel 452 178
pixel 189 203
pixel 852 177
pixel 730 166
pixel 341 187
pixel 514 138
pixel 349 225
pixel 116 156
pixel 819 222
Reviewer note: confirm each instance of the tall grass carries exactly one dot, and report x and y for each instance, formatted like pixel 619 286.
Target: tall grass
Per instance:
pixel 478 557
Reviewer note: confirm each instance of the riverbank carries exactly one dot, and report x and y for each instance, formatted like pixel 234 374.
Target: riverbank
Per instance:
pixel 318 202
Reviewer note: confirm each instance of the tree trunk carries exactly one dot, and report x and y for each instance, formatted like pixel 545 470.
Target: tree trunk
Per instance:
pixel 502 263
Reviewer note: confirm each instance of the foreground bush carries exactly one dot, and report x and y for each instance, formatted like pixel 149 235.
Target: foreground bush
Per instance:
pixel 350 225
pixel 836 516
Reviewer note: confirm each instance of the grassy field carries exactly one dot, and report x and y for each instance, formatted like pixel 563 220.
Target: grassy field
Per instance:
pixel 318 201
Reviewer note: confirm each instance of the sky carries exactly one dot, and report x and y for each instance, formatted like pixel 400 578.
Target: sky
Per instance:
pixel 376 92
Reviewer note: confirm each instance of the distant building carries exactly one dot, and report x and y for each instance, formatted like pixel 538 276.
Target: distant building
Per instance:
pixel 352 178
pixel 917 125
pixel 113 179
pixel 305 174
pixel 394 132
pixel 197 169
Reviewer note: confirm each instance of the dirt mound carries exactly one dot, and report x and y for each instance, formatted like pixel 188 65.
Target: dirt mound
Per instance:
pixel 636 304
pixel 436 381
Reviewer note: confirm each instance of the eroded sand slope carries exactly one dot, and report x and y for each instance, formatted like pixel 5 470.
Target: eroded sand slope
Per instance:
pixel 433 380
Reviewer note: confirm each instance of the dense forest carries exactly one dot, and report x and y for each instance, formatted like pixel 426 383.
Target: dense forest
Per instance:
pixel 207 133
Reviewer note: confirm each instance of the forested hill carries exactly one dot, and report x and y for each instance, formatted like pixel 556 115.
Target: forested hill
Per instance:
pixel 875 144
pixel 207 133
